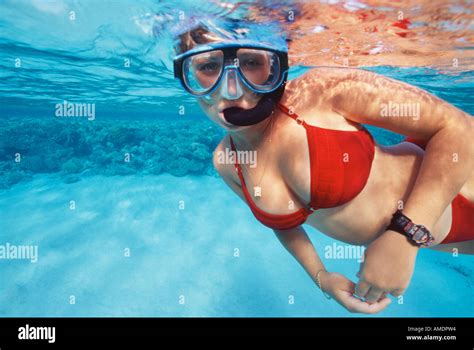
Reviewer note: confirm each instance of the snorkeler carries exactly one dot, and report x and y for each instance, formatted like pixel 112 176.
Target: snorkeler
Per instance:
pixel 321 167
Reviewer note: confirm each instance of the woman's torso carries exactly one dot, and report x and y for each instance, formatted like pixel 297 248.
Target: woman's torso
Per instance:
pixel 286 180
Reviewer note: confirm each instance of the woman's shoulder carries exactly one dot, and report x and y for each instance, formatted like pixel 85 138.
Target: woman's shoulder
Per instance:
pixel 313 88
pixel 221 160
pixel 218 156
pixel 225 168
pixel 323 80
pixel 311 96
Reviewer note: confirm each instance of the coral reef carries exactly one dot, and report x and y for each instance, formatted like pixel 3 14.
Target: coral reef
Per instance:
pixel 78 148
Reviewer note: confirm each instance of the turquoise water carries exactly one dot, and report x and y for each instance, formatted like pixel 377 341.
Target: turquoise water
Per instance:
pixel 160 234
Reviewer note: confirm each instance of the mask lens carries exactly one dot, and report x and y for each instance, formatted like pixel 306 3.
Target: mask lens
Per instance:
pixel 201 71
pixel 261 68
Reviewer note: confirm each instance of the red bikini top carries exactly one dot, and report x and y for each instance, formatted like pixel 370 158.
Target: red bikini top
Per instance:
pixel 340 164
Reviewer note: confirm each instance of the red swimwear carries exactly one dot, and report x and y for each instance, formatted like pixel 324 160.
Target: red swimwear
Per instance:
pixel 335 180
pixel 340 164
pixel 462 225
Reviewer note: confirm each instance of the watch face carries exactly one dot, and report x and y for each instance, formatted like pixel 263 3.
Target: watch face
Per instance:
pixel 420 234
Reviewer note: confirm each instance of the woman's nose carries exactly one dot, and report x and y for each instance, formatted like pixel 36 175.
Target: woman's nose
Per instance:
pixel 231 86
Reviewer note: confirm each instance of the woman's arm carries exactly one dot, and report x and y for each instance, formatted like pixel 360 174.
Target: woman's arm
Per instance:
pixel 298 244
pixel 448 161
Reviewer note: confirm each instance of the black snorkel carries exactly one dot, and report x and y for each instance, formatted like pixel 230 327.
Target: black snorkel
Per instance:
pixel 263 109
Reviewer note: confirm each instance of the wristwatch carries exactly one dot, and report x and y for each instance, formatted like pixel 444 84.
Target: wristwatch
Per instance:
pixel 417 234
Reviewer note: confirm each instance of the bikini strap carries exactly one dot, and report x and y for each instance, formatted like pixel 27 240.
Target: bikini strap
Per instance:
pixel 236 163
pixel 292 114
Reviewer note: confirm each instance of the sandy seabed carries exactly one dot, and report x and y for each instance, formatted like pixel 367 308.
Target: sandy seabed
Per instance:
pixel 161 245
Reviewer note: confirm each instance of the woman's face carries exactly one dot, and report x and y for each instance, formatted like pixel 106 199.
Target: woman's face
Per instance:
pixel 207 68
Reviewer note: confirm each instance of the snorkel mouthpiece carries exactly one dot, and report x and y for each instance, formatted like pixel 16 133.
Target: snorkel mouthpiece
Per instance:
pixel 263 109
pixel 246 117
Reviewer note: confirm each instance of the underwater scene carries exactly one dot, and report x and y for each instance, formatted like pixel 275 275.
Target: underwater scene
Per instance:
pixel 109 201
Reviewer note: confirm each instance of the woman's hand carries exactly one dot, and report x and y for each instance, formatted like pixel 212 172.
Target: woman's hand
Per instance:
pixel 387 268
pixel 341 289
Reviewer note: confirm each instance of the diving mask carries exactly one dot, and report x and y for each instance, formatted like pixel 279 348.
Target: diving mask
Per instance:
pixel 259 67
pixel 231 67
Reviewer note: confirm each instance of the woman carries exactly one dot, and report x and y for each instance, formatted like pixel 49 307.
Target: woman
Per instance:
pixel 319 166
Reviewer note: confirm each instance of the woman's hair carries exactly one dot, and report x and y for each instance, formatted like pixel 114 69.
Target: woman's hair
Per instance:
pixel 205 32
pixel 197 36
